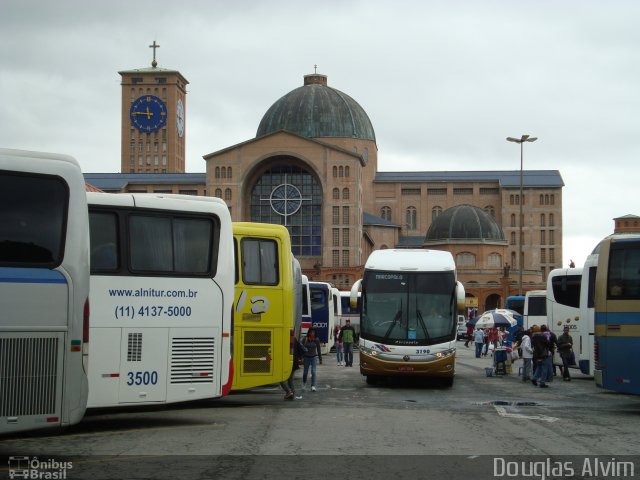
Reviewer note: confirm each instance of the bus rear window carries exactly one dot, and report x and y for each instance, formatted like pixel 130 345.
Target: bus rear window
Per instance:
pixel 537 306
pixel 33 219
pixel 623 281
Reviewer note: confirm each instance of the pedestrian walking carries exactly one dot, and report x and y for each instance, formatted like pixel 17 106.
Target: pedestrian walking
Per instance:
pixel 337 335
pixel 348 337
pixel 311 356
pixel 479 337
pixel 527 355
pixel 287 386
pixel 565 349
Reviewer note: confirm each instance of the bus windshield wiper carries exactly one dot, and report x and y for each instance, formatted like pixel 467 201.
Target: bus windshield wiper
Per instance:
pixel 396 319
pixel 422 324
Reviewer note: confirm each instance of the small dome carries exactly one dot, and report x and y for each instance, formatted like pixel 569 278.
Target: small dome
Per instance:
pixel 464 222
pixel 317 110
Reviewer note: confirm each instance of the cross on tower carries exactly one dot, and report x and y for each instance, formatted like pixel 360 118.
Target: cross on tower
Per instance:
pixel 154 64
pixel 315 68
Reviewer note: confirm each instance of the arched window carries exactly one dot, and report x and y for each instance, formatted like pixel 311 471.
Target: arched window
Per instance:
pixel 227 194
pixel 494 260
pixel 411 218
pixel 512 199
pixel 347 171
pixel 335 172
pixel 340 171
pixel 385 212
pixel 546 199
pixel 513 238
pixel 541 199
pixel 345 193
pixel 542 220
pixel 217 175
pixel 219 192
pixel 465 259
pixel 223 172
pixel 293 199
pixel 513 220
pixel 336 194
pixel 435 212
pixel 551 224
pixel 229 172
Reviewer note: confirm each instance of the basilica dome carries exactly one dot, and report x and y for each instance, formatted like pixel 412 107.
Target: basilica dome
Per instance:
pixel 317 110
pixel 464 222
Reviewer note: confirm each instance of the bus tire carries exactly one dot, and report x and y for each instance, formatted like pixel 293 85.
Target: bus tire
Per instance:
pixel 447 382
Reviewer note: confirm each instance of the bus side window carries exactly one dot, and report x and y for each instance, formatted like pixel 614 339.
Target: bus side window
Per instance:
pixel 103 238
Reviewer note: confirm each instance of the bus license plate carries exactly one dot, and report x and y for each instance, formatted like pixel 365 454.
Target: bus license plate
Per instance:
pixel 405 368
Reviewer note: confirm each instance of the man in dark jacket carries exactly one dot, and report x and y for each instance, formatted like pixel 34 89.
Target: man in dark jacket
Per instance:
pixel 297 356
pixel 540 343
pixel 565 348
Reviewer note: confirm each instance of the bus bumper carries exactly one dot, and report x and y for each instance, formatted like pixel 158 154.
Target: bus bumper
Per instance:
pixel 444 367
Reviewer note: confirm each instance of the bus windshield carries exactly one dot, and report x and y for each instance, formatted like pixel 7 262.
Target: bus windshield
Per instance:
pixel 408 308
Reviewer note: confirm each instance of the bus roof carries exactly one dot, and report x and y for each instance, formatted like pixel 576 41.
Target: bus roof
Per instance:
pixel 410 260
pixel 536 293
pixel 158 200
pixel 265 228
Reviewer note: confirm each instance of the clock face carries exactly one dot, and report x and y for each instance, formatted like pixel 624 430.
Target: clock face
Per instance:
pixel 180 117
pixel 148 113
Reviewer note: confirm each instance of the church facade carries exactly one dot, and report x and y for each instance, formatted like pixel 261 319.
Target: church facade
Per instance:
pixel 313 167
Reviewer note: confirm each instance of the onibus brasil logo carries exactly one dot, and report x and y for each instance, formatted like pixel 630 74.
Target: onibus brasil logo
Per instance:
pixel 33 468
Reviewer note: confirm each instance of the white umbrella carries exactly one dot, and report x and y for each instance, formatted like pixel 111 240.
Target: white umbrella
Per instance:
pixel 500 317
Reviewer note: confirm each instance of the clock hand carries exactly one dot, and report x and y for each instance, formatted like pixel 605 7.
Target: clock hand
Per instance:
pixel 147 113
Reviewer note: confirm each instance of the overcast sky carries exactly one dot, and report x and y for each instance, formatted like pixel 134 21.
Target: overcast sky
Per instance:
pixel 443 82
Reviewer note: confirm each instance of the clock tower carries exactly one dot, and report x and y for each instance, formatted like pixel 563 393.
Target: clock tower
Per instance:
pixel 153 119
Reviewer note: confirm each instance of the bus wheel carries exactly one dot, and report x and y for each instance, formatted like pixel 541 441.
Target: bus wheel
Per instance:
pixel 447 382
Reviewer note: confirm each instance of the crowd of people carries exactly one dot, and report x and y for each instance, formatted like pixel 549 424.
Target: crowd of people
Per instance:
pixel 536 346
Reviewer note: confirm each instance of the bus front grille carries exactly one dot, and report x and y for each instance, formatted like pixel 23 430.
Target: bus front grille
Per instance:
pixel 28 376
pixel 192 360
pixel 257 350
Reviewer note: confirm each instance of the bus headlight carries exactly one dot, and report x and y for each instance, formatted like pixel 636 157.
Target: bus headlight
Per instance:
pixel 368 351
pixel 445 353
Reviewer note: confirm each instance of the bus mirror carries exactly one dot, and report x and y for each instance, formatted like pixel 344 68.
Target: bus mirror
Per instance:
pixel 460 296
pixel 353 296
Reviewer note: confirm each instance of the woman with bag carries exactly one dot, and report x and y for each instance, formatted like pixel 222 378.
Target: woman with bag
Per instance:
pixel 565 347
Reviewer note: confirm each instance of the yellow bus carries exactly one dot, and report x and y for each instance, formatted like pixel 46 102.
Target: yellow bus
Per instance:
pixel 265 304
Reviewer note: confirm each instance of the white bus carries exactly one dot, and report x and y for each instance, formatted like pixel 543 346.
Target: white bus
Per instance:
pixel 410 305
pixel 306 308
pixel 567 306
pixel 535 308
pixel 44 291
pixel 350 313
pixel 162 292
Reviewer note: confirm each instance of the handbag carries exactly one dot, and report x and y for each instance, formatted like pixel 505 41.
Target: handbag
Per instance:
pixel 572 359
pixel 557 359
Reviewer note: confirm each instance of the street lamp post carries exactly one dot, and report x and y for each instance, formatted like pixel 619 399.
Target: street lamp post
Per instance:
pixel 521 140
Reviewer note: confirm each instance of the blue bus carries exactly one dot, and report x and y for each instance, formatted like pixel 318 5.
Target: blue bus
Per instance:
pixel 515 303
pixel 322 316
pixel 617 314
